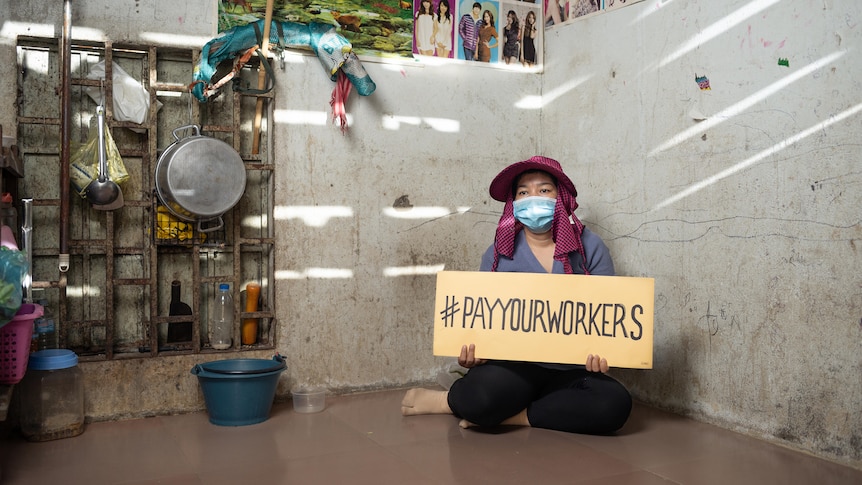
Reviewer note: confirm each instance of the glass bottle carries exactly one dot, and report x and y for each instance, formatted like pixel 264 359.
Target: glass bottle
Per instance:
pixel 222 319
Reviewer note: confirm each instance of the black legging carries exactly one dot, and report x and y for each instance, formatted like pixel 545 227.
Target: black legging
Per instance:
pixel 574 400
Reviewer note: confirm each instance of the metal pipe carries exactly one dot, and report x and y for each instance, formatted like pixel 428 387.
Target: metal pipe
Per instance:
pixel 27 240
pixel 65 132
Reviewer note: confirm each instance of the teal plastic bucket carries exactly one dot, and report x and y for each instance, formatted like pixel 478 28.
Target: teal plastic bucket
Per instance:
pixel 239 392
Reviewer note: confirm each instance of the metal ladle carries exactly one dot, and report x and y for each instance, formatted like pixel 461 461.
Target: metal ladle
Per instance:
pixel 103 190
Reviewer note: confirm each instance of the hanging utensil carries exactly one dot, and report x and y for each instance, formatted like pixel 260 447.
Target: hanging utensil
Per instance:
pixel 102 191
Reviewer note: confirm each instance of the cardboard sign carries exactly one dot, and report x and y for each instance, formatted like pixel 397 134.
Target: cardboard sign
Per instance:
pixel 549 318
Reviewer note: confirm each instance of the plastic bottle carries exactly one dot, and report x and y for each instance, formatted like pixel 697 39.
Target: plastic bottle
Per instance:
pixel 45 329
pixel 222 319
pixel 249 325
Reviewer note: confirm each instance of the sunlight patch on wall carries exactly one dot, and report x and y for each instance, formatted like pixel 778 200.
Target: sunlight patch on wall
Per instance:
pixel 298 117
pixel 540 101
pixel 431 60
pixel 394 271
pixel 646 12
pixel 444 125
pixel 82 291
pixel 254 222
pixel 11 30
pixel 312 215
pixel 315 274
pixel 746 103
pixel 165 38
pixel 717 29
pixel 786 143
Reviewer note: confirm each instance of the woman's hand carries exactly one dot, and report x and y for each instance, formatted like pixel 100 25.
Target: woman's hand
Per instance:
pixel 468 359
pixel 594 363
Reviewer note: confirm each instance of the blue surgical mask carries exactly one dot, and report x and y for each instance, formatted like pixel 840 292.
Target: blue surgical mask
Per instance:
pixel 536 213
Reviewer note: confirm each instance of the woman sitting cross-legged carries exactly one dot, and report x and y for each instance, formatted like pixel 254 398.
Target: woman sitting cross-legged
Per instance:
pixel 538 232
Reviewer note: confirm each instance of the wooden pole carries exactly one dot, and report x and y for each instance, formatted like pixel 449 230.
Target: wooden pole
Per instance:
pixel 261 80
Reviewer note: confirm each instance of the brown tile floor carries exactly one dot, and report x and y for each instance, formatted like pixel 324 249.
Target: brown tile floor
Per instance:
pixel 363 439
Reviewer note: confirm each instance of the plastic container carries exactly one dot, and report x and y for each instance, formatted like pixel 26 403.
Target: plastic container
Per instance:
pixel 52 396
pixel 15 339
pixel 46 337
pixel 308 399
pixel 8 213
pixel 249 325
pixel 222 319
pixel 7 238
pixel 239 392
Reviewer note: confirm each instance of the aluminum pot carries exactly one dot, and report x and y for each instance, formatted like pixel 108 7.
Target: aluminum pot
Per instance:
pixel 199 178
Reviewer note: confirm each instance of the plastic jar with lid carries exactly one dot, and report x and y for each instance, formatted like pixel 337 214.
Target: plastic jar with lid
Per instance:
pixel 52 396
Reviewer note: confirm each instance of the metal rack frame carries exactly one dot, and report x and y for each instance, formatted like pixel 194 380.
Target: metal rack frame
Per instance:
pixel 151 250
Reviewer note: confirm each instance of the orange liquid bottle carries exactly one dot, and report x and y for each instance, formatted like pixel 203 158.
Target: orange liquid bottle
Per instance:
pixel 249 325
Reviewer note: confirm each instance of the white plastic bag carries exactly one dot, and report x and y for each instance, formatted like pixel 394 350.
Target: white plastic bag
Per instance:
pixel 131 100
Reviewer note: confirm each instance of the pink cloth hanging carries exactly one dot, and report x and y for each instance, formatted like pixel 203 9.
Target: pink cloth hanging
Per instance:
pixel 339 96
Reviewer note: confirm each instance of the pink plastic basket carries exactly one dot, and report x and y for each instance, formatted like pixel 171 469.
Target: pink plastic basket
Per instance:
pixel 15 338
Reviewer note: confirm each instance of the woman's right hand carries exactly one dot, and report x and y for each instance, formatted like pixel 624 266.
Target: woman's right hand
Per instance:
pixel 468 359
pixel 596 363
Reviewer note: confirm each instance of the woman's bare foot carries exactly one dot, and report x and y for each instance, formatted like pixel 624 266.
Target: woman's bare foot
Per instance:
pixel 519 419
pixel 425 401
pixel 464 424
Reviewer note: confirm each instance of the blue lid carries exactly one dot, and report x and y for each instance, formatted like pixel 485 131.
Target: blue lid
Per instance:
pixel 224 286
pixel 52 359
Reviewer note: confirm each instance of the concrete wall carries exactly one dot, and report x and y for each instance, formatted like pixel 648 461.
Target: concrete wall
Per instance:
pixel 747 219
pixel 356 326
pixel 407 186
pixel 742 201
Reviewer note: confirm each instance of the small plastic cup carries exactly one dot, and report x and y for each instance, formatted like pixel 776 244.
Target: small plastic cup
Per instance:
pixel 308 399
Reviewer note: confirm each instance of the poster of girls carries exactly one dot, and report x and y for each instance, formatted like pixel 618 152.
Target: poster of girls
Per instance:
pixel 433 28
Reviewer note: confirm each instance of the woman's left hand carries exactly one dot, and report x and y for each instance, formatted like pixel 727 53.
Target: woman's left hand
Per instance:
pixel 468 359
pixel 597 364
